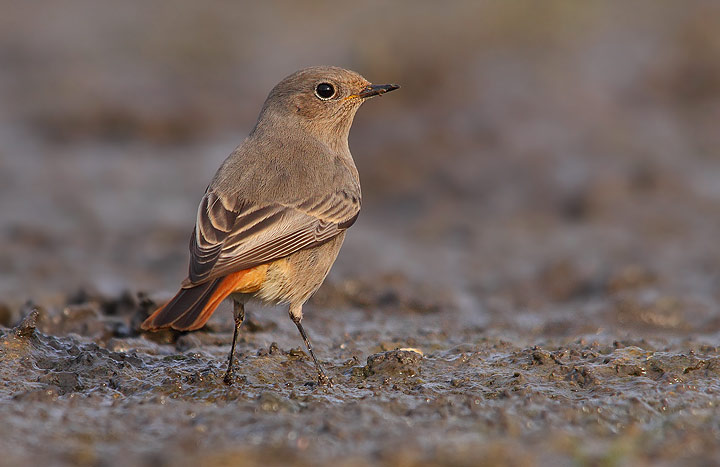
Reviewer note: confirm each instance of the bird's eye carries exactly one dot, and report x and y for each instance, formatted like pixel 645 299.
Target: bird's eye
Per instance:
pixel 324 91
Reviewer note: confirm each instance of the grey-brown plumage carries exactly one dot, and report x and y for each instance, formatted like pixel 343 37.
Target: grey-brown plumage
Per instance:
pixel 273 219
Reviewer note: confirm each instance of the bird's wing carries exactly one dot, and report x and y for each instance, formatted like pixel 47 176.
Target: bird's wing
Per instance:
pixel 231 238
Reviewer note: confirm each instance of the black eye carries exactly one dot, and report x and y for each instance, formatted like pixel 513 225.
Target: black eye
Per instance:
pixel 325 90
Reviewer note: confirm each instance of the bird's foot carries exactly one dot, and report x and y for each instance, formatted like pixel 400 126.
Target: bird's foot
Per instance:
pixel 323 380
pixel 228 378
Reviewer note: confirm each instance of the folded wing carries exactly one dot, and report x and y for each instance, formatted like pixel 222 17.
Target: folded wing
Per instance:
pixel 232 235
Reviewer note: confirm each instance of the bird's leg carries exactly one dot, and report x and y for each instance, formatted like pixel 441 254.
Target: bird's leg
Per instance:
pixel 239 315
pixel 296 316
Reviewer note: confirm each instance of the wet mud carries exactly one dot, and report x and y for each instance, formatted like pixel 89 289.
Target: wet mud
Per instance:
pixel 82 386
pixel 534 279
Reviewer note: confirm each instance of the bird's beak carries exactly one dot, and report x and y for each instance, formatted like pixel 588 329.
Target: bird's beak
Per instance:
pixel 377 89
pixel 373 90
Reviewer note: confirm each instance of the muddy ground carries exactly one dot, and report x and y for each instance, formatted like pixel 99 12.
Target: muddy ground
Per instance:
pixel 534 279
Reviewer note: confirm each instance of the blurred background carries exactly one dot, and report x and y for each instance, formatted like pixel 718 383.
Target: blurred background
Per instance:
pixel 547 159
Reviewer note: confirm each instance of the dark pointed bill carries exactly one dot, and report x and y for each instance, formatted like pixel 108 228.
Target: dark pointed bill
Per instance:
pixel 377 89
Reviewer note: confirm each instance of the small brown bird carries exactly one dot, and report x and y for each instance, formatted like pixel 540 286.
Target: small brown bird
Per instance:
pixel 272 220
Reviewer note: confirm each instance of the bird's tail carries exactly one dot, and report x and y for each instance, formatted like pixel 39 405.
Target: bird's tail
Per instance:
pixel 191 307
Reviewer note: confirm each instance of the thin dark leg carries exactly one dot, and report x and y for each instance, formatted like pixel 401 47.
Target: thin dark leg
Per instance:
pixel 321 373
pixel 239 315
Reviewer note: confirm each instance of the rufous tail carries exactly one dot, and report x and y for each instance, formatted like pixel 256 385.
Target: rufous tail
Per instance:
pixel 191 307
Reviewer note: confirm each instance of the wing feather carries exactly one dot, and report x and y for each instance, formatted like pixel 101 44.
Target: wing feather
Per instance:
pixel 234 235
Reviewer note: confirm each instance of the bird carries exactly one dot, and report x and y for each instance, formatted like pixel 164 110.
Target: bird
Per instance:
pixel 272 220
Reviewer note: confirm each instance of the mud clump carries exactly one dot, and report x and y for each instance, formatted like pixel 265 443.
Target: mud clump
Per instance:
pixel 27 326
pixel 394 363
pixel 64 381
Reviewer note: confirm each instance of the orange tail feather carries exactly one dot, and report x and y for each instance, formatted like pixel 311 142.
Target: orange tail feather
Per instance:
pixel 191 308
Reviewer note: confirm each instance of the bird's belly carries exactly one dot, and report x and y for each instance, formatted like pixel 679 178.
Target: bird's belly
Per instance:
pixel 296 277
